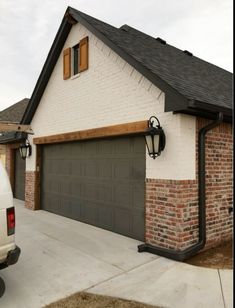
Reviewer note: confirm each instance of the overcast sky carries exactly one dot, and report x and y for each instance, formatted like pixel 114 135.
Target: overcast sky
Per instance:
pixel 28 27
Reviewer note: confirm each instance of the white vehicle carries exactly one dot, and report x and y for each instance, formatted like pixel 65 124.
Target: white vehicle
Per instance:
pixel 9 252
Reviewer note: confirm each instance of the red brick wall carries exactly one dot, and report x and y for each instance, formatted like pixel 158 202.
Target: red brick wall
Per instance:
pixel 31 189
pixel 172 205
pixel 8 160
pixel 219 182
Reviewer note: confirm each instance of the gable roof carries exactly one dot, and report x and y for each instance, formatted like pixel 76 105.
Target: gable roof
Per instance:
pixel 14 113
pixel 191 85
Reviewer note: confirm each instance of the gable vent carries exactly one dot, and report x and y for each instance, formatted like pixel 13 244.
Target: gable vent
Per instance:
pixel 161 41
pixel 188 53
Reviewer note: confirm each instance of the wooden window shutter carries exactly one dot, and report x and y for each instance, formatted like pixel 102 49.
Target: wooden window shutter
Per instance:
pixel 83 46
pixel 67 63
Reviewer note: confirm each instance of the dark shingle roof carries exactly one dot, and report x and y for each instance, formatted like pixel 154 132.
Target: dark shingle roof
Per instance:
pixel 192 77
pixel 190 84
pixel 14 113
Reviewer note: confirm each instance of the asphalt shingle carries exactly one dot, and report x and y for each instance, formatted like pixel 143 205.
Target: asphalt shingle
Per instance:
pixel 192 77
pixel 14 113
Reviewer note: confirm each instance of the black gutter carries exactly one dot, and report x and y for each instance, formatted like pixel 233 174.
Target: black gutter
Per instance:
pixel 209 108
pixel 191 251
pixel 204 114
pixel 12 137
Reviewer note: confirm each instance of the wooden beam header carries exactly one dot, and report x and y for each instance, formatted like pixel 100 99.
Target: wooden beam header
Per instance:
pixel 102 132
pixel 10 127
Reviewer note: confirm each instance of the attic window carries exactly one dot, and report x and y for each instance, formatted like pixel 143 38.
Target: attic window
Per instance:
pixel 75 59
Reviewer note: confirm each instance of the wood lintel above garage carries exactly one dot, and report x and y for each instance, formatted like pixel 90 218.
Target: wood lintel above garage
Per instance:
pixel 102 132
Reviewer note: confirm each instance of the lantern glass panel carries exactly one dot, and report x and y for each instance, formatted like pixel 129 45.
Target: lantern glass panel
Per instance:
pixel 149 143
pixel 23 151
pixel 156 142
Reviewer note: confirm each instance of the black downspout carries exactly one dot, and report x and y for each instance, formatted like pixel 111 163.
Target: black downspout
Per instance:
pixel 191 251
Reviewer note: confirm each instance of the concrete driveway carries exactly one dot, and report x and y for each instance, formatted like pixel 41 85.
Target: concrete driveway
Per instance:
pixel 61 256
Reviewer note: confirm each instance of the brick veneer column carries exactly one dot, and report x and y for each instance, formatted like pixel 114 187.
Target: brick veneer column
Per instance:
pixel 171 213
pixel 31 189
pixel 8 160
pixel 172 205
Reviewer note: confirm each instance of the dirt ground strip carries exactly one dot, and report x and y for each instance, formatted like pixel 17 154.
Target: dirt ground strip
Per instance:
pixel 87 300
pixel 220 257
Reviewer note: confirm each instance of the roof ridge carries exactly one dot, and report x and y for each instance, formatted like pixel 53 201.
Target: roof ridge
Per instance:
pixel 89 16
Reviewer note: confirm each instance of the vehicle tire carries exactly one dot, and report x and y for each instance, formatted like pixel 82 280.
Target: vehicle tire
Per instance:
pixel 2 287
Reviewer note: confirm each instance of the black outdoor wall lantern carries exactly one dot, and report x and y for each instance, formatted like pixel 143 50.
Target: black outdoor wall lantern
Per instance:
pixel 25 149
pixel 155 138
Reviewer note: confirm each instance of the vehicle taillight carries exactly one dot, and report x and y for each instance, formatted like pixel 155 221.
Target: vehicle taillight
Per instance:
pixel 10 221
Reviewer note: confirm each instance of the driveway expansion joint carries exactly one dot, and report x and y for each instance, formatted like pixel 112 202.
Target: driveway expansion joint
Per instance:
pixel 221 287
pixel 120 274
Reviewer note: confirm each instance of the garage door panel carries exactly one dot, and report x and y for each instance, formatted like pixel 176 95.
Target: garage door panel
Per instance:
pixel 54 186
pixel 122 221
pixel 76 149
pixel 64 206
pixel 77 167
pixel 51 202
pixel 138 198
pixel 105 217
pixel 64 166
pixel 89 212
pixel 137 147
pixel 90 169
pixel 138 223
pixel 105 192
pixel 122 169
pixel 122 195
pixel 77 187
pixel 91 191
pixel 76 205
pixel 19 187
pixel 123 146
pixel 105 148
pixel 65 185
pixel 100 182
pixel 138 169
pixel 90 148
pixel 104 168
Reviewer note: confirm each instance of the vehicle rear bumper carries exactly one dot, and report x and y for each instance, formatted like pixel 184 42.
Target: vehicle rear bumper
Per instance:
pixel 12 257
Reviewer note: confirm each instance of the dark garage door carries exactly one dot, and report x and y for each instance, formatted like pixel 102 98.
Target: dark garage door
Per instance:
pixel 100 182
pixel 19 185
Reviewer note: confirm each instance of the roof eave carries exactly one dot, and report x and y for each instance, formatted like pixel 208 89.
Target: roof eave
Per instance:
pixel 12 137
pixel 206 110
pixel 48 67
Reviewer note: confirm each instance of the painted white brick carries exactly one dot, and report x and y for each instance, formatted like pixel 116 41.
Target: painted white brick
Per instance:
pixel 112 92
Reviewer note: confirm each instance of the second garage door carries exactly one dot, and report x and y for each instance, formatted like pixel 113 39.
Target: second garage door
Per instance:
pixel 19 187
pixel 100 182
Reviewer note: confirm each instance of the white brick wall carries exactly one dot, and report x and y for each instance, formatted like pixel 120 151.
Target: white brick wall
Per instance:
pixel 112 92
